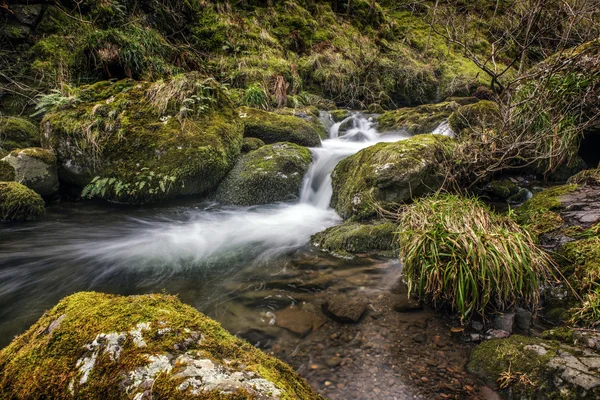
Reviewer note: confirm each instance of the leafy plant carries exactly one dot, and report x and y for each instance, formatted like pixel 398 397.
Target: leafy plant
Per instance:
pixel 456 251
pixel 255 96
pixel 55 100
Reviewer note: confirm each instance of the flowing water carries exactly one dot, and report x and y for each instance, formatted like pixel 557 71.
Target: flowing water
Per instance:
pixel 238 265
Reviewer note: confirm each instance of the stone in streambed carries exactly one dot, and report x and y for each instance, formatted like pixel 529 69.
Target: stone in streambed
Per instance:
pixel 344 309
pixel 298 321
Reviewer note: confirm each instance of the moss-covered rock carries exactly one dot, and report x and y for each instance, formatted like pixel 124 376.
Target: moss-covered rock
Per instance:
pixel 35 168
pixel 339 115
pixel 250 144
pixel 388 174
pixel 7 172
pixel 138 142
pixel 416 120
pixel 358 238
pixel 502 189
pixel 18 203
pixel 533 368
pixel 483 116
pixel 18 133
pixel 270 174
pixel 100 346
pixel 273 128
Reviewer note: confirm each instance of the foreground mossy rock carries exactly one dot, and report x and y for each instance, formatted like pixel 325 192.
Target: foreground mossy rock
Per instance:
pixel 273 173
pixel 100 346
pixel 272 128
pixel 533 368
pixel 387 174
pixel 18 133
pixel 483 116
pixel 138 142
pixel 35 168
pixel 18 203
pixel 416 120
pixel 358 238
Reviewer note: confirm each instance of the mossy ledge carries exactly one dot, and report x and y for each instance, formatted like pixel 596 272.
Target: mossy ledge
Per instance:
pixel 101 346
pixel 18 203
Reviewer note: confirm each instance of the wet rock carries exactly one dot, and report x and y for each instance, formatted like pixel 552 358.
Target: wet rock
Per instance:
pixel 407 305
pixel 35 168
pixel 498 334
pixel 19 203
pixel 523 319
pixel 504 321
pixel 476 325
pixel 333 362
pixel 298 321
pixel 344 309
pixel 420 338
pixel 417 120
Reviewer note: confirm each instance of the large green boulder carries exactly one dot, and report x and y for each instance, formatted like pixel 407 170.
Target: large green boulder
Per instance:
pixel 35 168
pixel 349 238
pixel 416 120
pixel 101 346
pixel 532 368
pixel 139 142
pixel 273 173
pixel 387 174
pixel 272 128
pixel 18 203
pixel 18 133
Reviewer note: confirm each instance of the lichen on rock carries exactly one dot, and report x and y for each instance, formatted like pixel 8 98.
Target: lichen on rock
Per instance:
pixel 273 173
pixel 18 203
pixel 387 174
pixel 98 346
pixel 35 168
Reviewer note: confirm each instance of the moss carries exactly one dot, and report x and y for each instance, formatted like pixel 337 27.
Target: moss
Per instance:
pixel 502 189
pixel 115 339
pixel 18 203
pixel 17 133
pixel 44 155
pixel 250 144
pixel 492 358
pixel 583 262
pixel 273 128
pixel 484 114
pixel 415 120
pixel 7 171
pixel 339 115
pixel 387 174
pixel 587 177
pixel 354 237
pixel 561 334
pixel 148 142
pixel 540 213
pixel 270 174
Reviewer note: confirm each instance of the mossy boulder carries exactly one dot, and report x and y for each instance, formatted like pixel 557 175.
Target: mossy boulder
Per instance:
pixel 533 368
pixel 138 142
pixel 416 120
pixel 387 174
pixel 483 116
pixel 18 203
pixel 339 115
pixel 272 128
pixel 18 133
pixel 35 168
pixel 502 189
pixel 376 237
pixel 273 173
pixel 101 346
pixel 250 143
pixel 7 172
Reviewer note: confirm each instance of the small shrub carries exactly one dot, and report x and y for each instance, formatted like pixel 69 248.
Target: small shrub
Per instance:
pixel 457 251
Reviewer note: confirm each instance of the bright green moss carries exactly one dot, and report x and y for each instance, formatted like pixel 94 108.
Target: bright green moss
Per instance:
pixel 388 174
pixel 355 238
pixel 416 120
pixel 540 213
pixel 339 115
pixel 50 359
pixel 17 133
pixel 273 128
pixel 7 172
pixel 18 203
pixel 273 173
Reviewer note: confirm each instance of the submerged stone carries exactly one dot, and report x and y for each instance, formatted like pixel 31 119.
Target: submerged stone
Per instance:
pixel 344 309
pixel 99 346
pixel 273 173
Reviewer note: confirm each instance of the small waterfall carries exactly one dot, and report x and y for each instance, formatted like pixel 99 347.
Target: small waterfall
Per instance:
pixel 362 133
pixel 444 130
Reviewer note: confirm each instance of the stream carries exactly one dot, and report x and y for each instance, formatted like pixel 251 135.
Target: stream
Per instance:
pixel 242 266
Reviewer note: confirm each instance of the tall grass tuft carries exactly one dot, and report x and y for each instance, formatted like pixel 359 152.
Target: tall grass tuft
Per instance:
pixel 457 251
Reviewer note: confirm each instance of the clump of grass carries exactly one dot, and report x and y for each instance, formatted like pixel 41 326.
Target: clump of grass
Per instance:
pixel 588 314
pixel 457 251
pixel 255 96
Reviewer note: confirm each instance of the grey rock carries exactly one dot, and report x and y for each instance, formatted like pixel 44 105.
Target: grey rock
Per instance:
pixel 504 322
pixel 36 169
pixel 523 319
pixel 498 334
